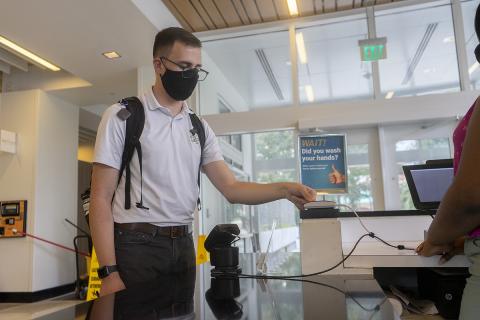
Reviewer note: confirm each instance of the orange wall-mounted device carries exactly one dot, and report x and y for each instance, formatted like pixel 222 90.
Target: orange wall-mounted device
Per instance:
pixel 13 215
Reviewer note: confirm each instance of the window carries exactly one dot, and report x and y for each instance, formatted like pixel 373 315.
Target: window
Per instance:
pixel 235 140
pixel 275 161
pixel 468 11
pixel 411 144
pixel 409 152
pixel 329 63
pixel 359 194
pixel 266 157
pixel 251 72
pixel 421 53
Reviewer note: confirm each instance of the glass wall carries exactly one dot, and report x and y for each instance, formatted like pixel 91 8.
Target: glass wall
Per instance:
pixel 265 158
pixel 409 144
pixel 421 53
pixel 418 151
pixel 329 65
pixel 275 161
pixel 250 72
pixel 253 71
pixel 359 195
pixel 468 11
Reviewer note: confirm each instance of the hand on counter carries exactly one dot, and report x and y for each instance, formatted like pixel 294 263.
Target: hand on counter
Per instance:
pixel 447 252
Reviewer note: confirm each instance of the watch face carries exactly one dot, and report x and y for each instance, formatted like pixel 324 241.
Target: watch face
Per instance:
pixel 102 272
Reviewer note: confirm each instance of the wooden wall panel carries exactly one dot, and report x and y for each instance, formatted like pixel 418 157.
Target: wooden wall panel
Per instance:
pixel 183 22
pixel 252 10
pixel 282 9
pixel 241 12
pixel 227 10
pixel 318 6
pixel 267 10
pixel 201 15
pixel 344 4
pixel 305 7
pixel 357 3
pixel 329 6
pixel 212 10
pixel 202 12
pixel 189 14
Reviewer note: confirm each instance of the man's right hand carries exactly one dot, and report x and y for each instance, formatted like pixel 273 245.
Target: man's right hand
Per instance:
pixel 111 284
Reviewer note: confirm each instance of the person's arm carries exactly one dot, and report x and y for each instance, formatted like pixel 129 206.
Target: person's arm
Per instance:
pixel 459 212
pixel 255 193
pixel 104 182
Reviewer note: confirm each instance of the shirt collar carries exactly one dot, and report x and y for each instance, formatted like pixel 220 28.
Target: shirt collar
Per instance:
pixel 153 104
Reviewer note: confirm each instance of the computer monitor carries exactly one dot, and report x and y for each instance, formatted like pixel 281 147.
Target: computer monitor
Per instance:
pixel 428 183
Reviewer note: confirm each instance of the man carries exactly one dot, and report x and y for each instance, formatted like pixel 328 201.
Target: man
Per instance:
pixel 147 240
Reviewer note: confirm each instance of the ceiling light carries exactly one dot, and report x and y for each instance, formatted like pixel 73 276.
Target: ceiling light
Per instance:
pixel 309 92
pixel 449 39
pixel 473 67
pixel 389 95
pixel 111 55
pixel 292 7
pixel 302 52
pixel 29 55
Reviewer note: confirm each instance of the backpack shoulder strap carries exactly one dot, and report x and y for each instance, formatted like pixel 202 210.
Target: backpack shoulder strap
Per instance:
pixel 200 130
pixel 135 121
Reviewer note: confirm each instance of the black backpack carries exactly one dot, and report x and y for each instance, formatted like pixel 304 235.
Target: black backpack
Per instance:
pixel 134 115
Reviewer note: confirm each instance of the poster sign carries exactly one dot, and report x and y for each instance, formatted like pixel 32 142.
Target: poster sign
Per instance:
pixel 323 163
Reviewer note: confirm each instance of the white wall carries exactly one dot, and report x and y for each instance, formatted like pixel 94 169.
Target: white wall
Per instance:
pixel 43 172
pixel 56 191
pixel 145 78
pixel 17 182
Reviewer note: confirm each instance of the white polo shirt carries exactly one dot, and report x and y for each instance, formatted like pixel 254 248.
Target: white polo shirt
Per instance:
pixel 171 159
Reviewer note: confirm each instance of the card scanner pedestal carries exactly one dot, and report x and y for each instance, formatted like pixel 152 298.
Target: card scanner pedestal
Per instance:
pixel 321 247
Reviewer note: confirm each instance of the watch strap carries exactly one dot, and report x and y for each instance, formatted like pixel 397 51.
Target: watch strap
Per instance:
pixel 105 271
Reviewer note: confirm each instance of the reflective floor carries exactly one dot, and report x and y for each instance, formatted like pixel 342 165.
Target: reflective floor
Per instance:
pixel 194 295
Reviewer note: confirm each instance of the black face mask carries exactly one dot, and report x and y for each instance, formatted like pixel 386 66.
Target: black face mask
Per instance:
pixel 179 85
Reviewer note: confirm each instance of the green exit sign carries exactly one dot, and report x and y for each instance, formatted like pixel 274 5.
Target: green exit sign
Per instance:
pixel 373 49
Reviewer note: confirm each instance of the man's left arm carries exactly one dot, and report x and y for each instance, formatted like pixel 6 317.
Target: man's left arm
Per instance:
pixel 255 193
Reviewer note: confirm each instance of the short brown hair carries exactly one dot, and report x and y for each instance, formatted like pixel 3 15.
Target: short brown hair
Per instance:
pixel 165 39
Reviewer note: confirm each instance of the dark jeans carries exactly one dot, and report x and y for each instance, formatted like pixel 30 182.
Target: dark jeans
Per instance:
pixel 143 257
pixel 167 297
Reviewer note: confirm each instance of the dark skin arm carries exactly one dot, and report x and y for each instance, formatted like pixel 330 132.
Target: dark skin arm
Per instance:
pixel 459 212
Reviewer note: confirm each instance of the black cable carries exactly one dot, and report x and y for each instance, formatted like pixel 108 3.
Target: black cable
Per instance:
pixel 399 247
pixel 311 274
pixel 348 295
pixel 371 235
pixel 295 277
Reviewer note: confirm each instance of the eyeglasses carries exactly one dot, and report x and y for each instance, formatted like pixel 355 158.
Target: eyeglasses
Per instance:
pixel 188 72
